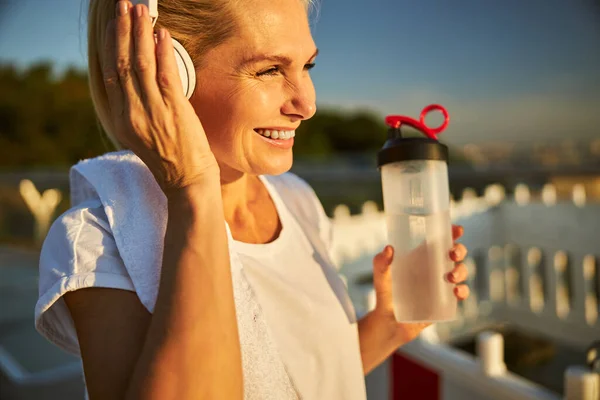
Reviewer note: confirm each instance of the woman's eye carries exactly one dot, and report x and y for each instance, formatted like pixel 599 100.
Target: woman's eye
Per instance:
pixel 270 71
pixel 277 70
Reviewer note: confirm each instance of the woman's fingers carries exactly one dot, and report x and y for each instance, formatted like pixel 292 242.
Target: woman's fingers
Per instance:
pixel 167 73
pixel 382 260
pixel 382 279
pixel 462 292
pixel 110 75
pixel 145 55
pixel 458 274
pixel 458 252
pixel 125 55
pixel 457 232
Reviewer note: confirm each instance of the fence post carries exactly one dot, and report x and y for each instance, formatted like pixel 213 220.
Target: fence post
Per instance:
pixel 42 206
pixel 522 194
pixel 578 195
pixel 581 384
pixel 490 351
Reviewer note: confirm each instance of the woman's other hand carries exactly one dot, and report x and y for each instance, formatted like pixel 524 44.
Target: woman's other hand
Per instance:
pixel 382 281
pixel 150 113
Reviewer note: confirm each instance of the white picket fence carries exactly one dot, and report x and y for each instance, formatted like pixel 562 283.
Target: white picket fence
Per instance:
pixel 533 263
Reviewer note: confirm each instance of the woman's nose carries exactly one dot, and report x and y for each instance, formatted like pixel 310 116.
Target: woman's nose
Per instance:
pixel 301 102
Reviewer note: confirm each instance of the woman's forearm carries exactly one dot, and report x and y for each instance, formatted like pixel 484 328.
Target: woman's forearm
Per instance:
pixel 377 343
pixel 192 347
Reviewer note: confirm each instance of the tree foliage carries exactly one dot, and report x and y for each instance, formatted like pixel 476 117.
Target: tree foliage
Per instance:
pixel 46 121
pixel 50 121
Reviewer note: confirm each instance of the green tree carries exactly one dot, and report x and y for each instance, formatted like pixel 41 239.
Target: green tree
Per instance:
pixel 46 121
pixel 50 121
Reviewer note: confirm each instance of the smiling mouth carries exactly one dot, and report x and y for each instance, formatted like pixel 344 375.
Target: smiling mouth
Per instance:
pixel 276 134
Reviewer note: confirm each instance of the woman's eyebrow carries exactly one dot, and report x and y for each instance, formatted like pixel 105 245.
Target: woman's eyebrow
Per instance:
pixel 285 60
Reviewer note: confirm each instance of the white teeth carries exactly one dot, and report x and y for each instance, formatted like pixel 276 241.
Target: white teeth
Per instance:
pixel 274 134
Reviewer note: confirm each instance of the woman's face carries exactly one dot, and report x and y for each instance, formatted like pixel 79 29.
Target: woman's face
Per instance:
pixel 256 81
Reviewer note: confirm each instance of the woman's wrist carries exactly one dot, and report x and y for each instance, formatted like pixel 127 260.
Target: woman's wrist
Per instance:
pixel 388 326
pixel 209 180
pixel 377 338
pixel 202 195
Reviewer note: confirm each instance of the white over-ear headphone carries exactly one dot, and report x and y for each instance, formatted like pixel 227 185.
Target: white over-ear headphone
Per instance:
pixel 187 73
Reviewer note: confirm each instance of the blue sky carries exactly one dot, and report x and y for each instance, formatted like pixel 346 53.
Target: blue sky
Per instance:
pixel 508 70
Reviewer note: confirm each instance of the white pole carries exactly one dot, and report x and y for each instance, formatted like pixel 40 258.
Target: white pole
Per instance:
pixel 42 206
pixel 581 384
pixel 490 350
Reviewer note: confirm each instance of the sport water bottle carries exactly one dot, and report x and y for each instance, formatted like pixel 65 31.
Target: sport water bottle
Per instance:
pixel 416 198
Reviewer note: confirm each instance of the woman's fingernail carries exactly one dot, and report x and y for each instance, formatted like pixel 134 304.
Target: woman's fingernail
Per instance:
pixel 162 33
pixel 452 277
pixel 122 8
pixel 139 10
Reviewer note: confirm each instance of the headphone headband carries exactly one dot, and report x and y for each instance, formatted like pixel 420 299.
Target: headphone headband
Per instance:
pixel 152 8
pixel 185 66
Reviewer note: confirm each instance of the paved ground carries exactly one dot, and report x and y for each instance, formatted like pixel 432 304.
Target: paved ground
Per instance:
pixel 18 287
pixel 23 344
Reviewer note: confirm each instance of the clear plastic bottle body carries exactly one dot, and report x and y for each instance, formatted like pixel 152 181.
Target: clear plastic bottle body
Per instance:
pixel 416 199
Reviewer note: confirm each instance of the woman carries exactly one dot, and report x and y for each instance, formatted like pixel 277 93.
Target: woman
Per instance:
pixel 233 295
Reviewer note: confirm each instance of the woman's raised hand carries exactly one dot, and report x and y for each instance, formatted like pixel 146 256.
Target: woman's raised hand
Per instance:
pixel 382 282
pixel 150 113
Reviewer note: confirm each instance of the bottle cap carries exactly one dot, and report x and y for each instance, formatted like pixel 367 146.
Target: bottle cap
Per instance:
pixel 398 148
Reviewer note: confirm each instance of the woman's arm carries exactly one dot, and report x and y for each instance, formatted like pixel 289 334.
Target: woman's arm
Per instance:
pixel 189 347
pixel 379 333
pixel 192 347
pixel 377 342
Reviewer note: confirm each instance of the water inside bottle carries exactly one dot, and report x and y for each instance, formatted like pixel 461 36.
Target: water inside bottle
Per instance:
pixel 422 243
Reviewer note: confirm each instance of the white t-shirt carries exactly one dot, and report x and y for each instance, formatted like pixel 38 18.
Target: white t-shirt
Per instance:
pixel 314 334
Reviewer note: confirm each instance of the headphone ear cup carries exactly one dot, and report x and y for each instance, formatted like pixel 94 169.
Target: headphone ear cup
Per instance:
pixel 187 73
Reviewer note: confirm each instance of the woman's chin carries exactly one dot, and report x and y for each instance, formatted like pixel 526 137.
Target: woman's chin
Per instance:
pixel 274 165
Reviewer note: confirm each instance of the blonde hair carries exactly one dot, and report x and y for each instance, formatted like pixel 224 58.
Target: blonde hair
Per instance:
pixel 199 25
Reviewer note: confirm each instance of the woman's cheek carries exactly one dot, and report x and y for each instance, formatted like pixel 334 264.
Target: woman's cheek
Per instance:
pixel 269 96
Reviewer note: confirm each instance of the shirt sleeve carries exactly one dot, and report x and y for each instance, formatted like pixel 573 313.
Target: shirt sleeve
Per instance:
pixel 78 252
